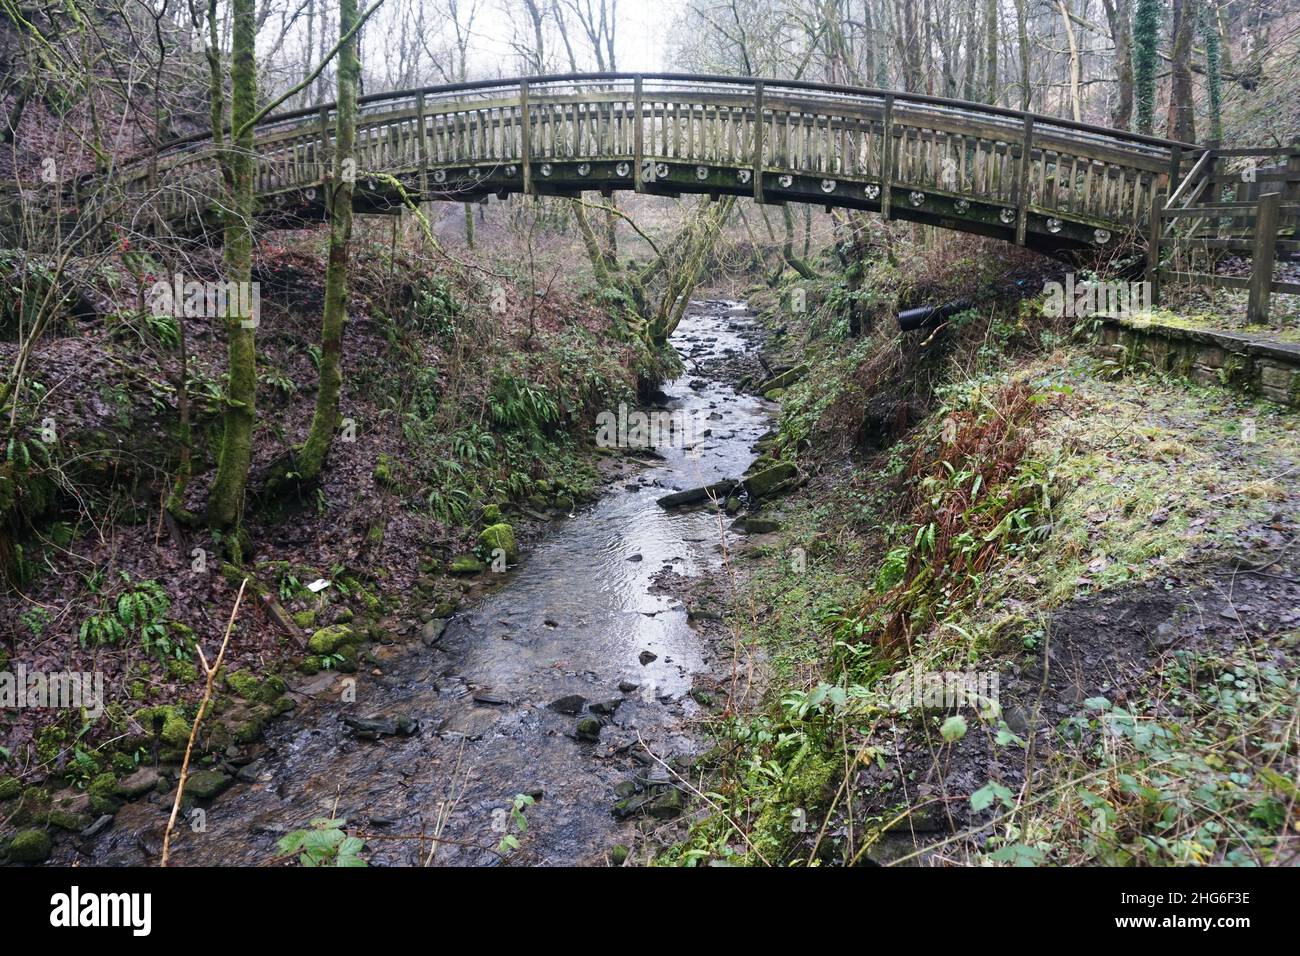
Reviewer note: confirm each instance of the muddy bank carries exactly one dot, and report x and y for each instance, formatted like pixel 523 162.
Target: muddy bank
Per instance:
pixel 571 682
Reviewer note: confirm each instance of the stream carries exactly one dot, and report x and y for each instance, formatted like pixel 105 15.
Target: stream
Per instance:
pixel 576 617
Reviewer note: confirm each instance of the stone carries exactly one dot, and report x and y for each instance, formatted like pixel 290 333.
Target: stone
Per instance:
pixel 752 525
pixel 138 784
pixel 646 657
pixel 568 704
pixel 10 787
pixel 98 827
pixel 627 686
pixel 605 706
pixel 691 496
pixel 666 805
pixel 770 479
pixel 372 728
pixel 618 854
pixel 206 784
pixel 588 729
pixel 248 773
pixel 31 846
pixel 431 632
pixel 102 791
pixel 328 640
pixel 499 537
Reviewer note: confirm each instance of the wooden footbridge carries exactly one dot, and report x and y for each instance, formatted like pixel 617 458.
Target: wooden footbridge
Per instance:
pixel 1051 184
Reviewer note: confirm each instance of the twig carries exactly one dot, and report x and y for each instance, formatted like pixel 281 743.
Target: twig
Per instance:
pixel 210 673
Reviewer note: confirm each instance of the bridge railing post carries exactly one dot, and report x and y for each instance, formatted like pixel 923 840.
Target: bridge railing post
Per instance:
pixel 887 157
pixel 525 138
pixel 1261 267
pixel 1176 168
pixel 1022 180
pixel 1154 236
pixel 638 136
pixel 759 128
pixel 1292 186
pixel 422 144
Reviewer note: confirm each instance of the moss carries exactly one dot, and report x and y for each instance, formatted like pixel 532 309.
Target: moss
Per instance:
pixel 466 564
pixel 499 536
pixel 305 619
pixel 244 685
pixel 167 722
pixel 31 846
pixel 384 472
pixel 9 788
pixel 183 671
pixel 491 514
pixel 50 742
pixel 328 640
pixel 103 794
pixel 72 822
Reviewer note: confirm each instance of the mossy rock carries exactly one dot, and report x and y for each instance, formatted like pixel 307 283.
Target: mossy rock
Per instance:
pixel 466 564
pixel 167 722
pixel 328 640
pixel 31 846
pixel 72 822
pixel 247 686
pixel 305 619
pixel 768 480
pixel 205 784
pixel 103 794
pixel 774 394
pixel 500 536
pixel 491 514
pixel 10 787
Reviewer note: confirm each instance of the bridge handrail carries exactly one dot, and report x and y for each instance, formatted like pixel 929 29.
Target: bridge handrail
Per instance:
pixel 920 99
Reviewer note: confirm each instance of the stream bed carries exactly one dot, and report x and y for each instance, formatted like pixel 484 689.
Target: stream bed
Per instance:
pixel 578 616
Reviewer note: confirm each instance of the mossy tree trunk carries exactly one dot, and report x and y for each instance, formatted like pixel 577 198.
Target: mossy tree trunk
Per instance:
pixel 325 421
pixel 226 500
pixel 1146 29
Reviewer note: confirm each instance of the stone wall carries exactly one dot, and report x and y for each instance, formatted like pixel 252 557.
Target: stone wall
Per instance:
pixel 1253 363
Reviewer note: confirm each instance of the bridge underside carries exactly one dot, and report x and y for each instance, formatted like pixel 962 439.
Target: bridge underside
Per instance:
pixel 1046 231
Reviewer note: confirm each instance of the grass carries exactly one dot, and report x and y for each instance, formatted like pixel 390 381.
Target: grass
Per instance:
pixel 1135 478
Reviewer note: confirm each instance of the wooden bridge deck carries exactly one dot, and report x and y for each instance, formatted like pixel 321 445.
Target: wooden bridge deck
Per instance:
pixel 1048 183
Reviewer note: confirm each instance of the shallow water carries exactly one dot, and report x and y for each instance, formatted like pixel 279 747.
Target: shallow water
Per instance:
pixel 573 618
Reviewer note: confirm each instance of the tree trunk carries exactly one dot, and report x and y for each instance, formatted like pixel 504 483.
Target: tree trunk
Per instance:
pixel 1146 29
pixel 991 51
pixel 1118 16
pixel 325 421
pixel 226 501
pixel 1181 121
